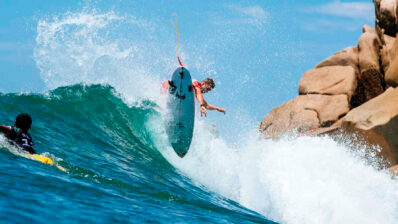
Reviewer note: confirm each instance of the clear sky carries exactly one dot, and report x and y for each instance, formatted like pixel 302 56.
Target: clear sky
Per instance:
pixel 256 50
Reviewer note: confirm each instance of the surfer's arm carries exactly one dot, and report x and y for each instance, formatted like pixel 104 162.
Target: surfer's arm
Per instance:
pixel 201 100
pixel 212 107
pixel 199 96
pixel 5 129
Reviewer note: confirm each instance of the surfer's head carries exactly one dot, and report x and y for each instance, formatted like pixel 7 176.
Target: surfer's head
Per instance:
pixel 207 85
pixel 23 121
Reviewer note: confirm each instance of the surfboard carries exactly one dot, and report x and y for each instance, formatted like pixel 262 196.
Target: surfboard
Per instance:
pixel 36 157
pixel 40 158
pixel 181 111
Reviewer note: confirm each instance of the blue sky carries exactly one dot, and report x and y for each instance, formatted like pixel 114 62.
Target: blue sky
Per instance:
pixel 256 50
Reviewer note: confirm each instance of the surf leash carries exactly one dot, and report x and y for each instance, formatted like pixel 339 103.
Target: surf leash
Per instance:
pixel 175 24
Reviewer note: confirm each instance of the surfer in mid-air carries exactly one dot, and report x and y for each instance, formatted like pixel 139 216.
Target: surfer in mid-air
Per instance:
pixel 199 89
pixel 18 134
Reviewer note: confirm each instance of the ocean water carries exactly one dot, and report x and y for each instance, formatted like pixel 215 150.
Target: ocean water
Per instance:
pixel 101 120
pixel 111 170
pixel 114 164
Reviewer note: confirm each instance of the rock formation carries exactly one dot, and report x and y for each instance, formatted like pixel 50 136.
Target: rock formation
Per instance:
pixel 329 80
pixel 304 113
pixel 377 122
pixel 354 90
pixel 392 69
pixel 346 57
pixel 370 76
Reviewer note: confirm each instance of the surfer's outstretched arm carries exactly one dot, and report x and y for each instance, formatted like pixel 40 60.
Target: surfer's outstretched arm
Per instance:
pixel 204 105
pixel 211 107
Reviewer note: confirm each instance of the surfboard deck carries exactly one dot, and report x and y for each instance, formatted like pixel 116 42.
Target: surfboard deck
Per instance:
pixel 181 111
pixel 40 158
pixel 36 157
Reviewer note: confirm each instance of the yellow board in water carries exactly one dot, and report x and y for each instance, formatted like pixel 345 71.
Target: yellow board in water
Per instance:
pixel 41 159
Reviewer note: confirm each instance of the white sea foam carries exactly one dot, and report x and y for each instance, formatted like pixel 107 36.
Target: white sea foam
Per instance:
pixel 301 180
pixel 90 47
pixel 121 50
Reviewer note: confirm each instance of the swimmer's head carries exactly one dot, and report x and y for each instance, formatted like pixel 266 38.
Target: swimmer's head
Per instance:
pixel 23 121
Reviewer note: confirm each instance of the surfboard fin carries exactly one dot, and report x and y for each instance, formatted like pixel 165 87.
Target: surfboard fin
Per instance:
pixel 172 87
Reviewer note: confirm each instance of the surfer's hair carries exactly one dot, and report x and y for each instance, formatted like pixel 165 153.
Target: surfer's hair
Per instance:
pixel 23 121
pixel 210 82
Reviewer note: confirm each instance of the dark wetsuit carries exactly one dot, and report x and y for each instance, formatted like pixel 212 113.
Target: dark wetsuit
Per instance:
pixel 22 139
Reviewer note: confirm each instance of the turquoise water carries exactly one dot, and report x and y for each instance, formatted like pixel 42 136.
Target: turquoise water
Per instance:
pixel 111 171
pixel 113 164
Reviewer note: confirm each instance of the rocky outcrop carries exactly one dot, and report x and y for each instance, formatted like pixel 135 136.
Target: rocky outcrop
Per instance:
pixel 391 76
pixel 394 169
pixel 386 15
pixel 329 80
pixel 346 57
pixel 387 52
pixel 376 121
pixel 347 91
pixel 304 113
pixel 370 78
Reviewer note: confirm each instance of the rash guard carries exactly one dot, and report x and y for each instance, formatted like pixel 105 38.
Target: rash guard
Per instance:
pixel 21 139
pixel 196 83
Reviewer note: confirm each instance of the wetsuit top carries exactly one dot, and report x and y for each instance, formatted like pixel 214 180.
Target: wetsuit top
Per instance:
pixel 22 139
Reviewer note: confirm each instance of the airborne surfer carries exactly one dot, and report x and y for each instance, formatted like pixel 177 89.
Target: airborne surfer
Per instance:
pixel 182 90
pixel 18 134
pixel 199 89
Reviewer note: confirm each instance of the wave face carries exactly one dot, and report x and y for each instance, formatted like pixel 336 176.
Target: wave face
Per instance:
pixel 112 170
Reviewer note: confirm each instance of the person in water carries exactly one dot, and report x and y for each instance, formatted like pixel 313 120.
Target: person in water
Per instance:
pixel 18 134
pixel 199 89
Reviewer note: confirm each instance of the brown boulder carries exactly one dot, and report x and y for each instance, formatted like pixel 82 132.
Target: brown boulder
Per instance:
pixel 377 122
pixel 368 49
pixel 330 80
pixel 389 42
pixel 386 15
pixel 391 76
pixel 387 51
pixel 348 56
pixel 394 170
pixel 370 78
pixel 385 58
pixel 304 113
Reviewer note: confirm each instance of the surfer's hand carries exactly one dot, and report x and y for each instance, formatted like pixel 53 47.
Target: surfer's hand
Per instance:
pixel 203 111
pixel 222 110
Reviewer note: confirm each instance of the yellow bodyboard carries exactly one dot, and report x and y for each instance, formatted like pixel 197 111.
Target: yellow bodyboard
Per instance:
pixel 41 159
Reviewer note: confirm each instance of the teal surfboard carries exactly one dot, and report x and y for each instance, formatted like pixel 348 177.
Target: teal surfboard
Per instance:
pixel 181 111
